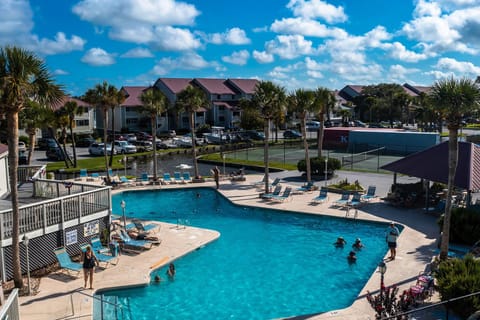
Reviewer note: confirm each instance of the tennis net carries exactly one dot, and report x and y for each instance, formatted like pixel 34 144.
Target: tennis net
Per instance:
pixel 362 156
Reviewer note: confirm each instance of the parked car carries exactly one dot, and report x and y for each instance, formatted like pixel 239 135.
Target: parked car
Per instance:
pixel 164 144
pixel 97 149
pixel 84 142
pixel 291 134
pixel 144 146
pixel 168 134
pixel 142 135
pixel 253 135
pixel 376 125
pixel 56 154
pixel 46 143
pixel 312 125
pixel 22 157
pixel 22 146
pixel 131 137
pixel 124 147
pixel 358 123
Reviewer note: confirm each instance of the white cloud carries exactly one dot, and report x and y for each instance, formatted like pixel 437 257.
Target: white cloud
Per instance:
pixel 237 57
pixel 59 72
pixel 60 45
pixel 174 39
pixel 398 73
pixel 187 61
pixel 289 46
pixel 231 36
pixel 262 56
pixel 317 9
pixel 399 52
pixel 427 8
pixel 137 53
pixel 306 27
pixel 98 57
pixel 459 67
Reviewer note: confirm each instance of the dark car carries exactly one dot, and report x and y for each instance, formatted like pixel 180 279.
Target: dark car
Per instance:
pixel 291 134
pixel 85 142
pixel 141 135
pixel 22 157
pixel 254 135
pixel 46 143
pixel 56 154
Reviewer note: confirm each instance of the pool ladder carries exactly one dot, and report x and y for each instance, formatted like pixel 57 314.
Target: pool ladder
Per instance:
pixel 118 308
pixel 182 223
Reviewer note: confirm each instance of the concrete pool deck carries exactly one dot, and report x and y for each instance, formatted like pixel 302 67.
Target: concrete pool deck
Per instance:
pixel 63 297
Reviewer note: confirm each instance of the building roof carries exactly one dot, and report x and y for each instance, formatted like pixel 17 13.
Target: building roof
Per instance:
pixel 417 89
pixel 3 149
pixel 246 86
pixel 66 99
pixel 133 96
pixel 432 164
pixel 350 91
pixel 175 85
pixel 214 86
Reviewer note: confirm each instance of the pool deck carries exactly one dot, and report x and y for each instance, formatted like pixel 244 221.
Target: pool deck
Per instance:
pixel 63 297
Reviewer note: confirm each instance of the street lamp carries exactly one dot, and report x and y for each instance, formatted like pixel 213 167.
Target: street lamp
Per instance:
pixel 123 205
pixel 26 240
pixel 326 171
pixel 382 268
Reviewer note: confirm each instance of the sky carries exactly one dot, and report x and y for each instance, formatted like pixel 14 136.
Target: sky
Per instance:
pixel 294 43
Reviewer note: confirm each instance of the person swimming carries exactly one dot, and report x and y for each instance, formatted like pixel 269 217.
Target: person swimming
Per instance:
pixel 358 244
pixel 171 271
pixel 340 242
pixel 157 278
pixel 352 257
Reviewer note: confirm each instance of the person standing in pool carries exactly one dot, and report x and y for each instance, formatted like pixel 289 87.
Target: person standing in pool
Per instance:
pixel 391 238
pixel 171 271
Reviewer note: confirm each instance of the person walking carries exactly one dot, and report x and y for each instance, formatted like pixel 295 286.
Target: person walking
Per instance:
pixel 391 238
pixel 216 176
pixel 89 261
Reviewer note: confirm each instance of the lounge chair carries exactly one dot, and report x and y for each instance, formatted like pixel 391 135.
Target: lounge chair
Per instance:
pixel 95 176
pixel 275 193
pixel 259 183
pixel 167 179
pixel 308 187
pixel 356 200
pixel 83 174
pixel 178 177
pixel 186 177
pixel 97 246
pixel 370 195
pixel 144 177
pixel 107 259
pixel 145 227
pixel 322 197
pixel 344 199
pixel 275 182
pixel 131 244
pixel 66 263
pixel 125 181
pixel 286 195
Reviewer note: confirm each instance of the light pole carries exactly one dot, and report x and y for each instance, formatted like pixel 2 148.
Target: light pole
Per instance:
pixel 26 240
pixel 382 268
pixel 326 171
pixel 123 205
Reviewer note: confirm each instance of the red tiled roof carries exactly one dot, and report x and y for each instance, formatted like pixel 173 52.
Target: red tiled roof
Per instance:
pixel 409 92
pixel 133 96
pixel 66 99
pixel 214 86
pixel 356 88
pixel 175 84
pixel 246 86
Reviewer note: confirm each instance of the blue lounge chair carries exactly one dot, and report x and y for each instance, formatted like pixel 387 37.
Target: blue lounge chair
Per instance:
pixel 132 244
pixel 95 175
pixel 306 188
pixel 126 182
pixel 145 228
pixel 275 193
pixel 370 195
pixel 186 177
pixel 343 201
pixel 322 197
pixel 178 177
pixel 83 174
pixel 259 183
pixel 167 179
pixel 65 262
pixel 100 256
pixel 144 177
pixel 286 195
pixel 356 200
pixel 275 182
pixel 97 246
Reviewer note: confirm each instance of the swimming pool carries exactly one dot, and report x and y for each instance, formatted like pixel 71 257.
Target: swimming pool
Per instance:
pixel 266 263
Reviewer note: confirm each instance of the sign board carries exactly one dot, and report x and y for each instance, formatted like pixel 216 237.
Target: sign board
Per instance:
pixel 71 237
pixel 91 228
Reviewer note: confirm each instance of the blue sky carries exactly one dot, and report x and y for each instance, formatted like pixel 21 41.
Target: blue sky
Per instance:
pixel 295 43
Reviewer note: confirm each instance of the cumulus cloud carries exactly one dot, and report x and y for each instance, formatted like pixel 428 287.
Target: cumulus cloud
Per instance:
pixel 306 27
pixel 289 46
pixel 59 72
pixel 98 57
pixel 398 73
pixel 137 53
pixel 399 52
pixel 239 57
pixel 262 56
pixel 59 45
pixel 313 9
pixel 458 67
pixel 188 61
pixel 235 36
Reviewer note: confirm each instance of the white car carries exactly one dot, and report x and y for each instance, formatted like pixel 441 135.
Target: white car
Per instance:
pixel 123 147
pixel 22 146
pixel 97 149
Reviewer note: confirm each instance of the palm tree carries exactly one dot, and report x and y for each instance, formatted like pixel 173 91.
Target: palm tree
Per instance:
pixel 104 96
pixel 268 98
pixel 154 104
pixel 72 109
pixel 323 102
pixel 302 102
pixel 61 121
pixel 23 77
pixel 452 99
pixel 190 100
pixel 31 119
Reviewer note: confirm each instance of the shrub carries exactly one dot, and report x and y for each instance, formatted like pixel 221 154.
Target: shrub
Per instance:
pixel 318 165
pixel 458 277
pixel 347 186
pixel 464 225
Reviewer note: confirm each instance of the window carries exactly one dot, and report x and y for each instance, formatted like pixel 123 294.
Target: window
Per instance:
pixel 221 119
pixel 236 113
pixel 82 123
pixel 221 108
pixel 130 109
pixel 132 121
pixel 219 96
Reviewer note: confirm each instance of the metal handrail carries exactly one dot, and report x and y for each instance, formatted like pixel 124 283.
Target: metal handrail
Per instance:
pixel 116 305
pixel 432 306
pixel 11 308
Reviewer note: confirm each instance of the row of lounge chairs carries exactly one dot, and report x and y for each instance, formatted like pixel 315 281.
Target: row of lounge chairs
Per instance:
pixel 276 196
pixel 347 199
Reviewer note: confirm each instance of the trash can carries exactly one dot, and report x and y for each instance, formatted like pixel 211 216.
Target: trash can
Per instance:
pixel 114 248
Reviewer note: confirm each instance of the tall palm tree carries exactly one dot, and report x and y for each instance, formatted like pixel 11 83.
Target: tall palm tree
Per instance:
pixel 268 98
pixel 190 100
pixel 323 102
pixel 154 104
pixel 31 119
pixel 302 102
pixel 104 96
pixel 61 121
pixel 23 77
pixel 452 99
pixel 72 109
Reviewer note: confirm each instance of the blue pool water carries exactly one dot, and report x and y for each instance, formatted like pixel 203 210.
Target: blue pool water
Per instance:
pixel 266 263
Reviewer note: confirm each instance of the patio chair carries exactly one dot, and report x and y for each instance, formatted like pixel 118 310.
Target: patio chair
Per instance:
pixel 131 244
pixel 167 179
pixel 106 259
pixel 308 187
pixel 126 182
pixel 145 227
pixel 370 195
pixel 286 195
pixel 66 263
pixel 83 174
pixel 322 196
pixel 259 183
pixel 95 176
pixel 97 246
pixel 344 199
pixel 275 193
pixel 186 177
pixel 177 177
pixel 356 200
pixel 144 177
